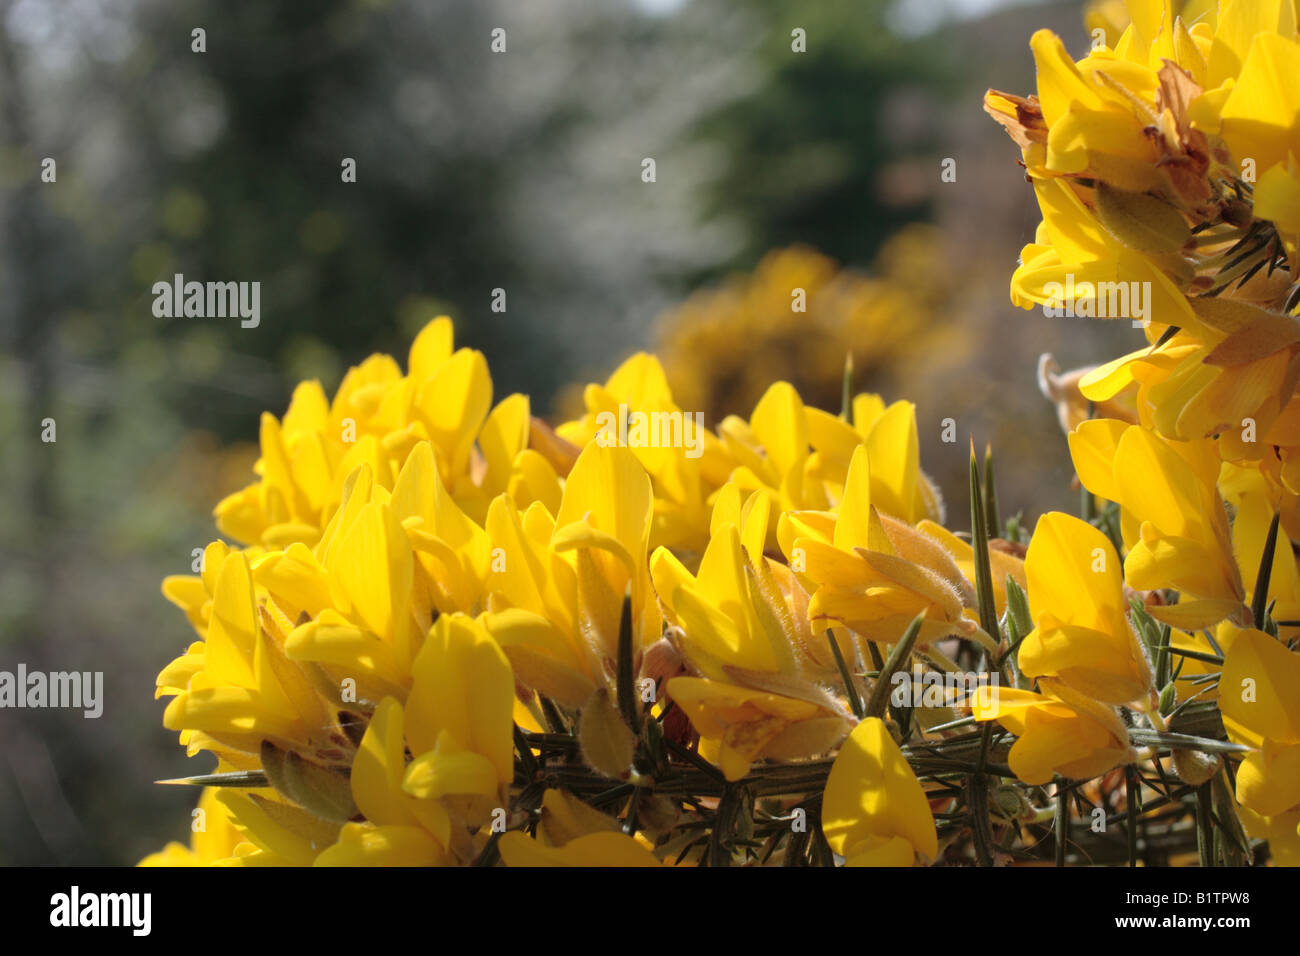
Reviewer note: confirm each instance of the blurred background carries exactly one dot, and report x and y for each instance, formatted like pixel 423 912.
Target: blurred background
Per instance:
pixel 474 171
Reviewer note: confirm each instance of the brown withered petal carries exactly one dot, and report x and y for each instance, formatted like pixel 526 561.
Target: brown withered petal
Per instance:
pixel 1026 126
pixel 1176 91
pixel 1013 548
pixel 560 454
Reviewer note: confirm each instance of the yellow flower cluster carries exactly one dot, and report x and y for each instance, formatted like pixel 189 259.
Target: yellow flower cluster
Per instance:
pixel 798 315
pixel 1164 163
pixel 1165 169
pixel 424 577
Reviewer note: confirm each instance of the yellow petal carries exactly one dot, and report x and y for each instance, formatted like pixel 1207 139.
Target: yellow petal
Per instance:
pixel 896 463
pixel 364 844
pixel 1093 447
pixel 379 767
pixel 452 405
pixel 374 569
pixel 872 793
pixel 463 685
pixel 431 348
pixel 1073 572
pixel 1260 687
pixel 231 631
pixel 1060 85
pixel 1269 782
pixel 449 771
pixel 595 849
pixel 282 829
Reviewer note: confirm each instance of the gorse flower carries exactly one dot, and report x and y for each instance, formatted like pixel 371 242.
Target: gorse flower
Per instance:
pixel 745 691
pixel 1259 120
pixel 1173 520
pixel 1260 700
pixel 377 416
pixel 417 590
pixel 682 484
pixel 457 725
pixel 555 608
pixel 236 688
pixel 874 573
pixel 1082 635
pixel 1059 731
pixel 875 812
pixel 570 833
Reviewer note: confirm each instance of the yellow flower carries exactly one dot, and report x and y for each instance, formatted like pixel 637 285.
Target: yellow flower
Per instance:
pixel 1082 635
pixel 772 449
pixel 287 630
pixel 1077 264
pixel 1249 494
pixel 377 416
pixel 1282 833
pixel 558 584
pixel 1233 377
pixel 1145 115
pixel 683 474
pixel 1259 696
pixel 795 454
pixel 1112 16
pixel 751 697
pixel 571 833
pixel 457 723
pixel 1131 117
pixel 800 456
pixel 1174 524
pixel 452 553
pixel 874 812
pixel 237 688
pixel 889 434
pixel 738 725
pixel 1060 731
pixel 534 609
pixel 1233 381
pixel 276 832
pixel 874 573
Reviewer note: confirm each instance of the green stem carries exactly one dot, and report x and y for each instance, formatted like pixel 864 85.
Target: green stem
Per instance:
pixel 1204 825
pixel 1259 605
pixel 855 702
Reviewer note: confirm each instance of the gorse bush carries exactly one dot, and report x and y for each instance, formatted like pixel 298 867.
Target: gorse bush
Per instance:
pixel 449 634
